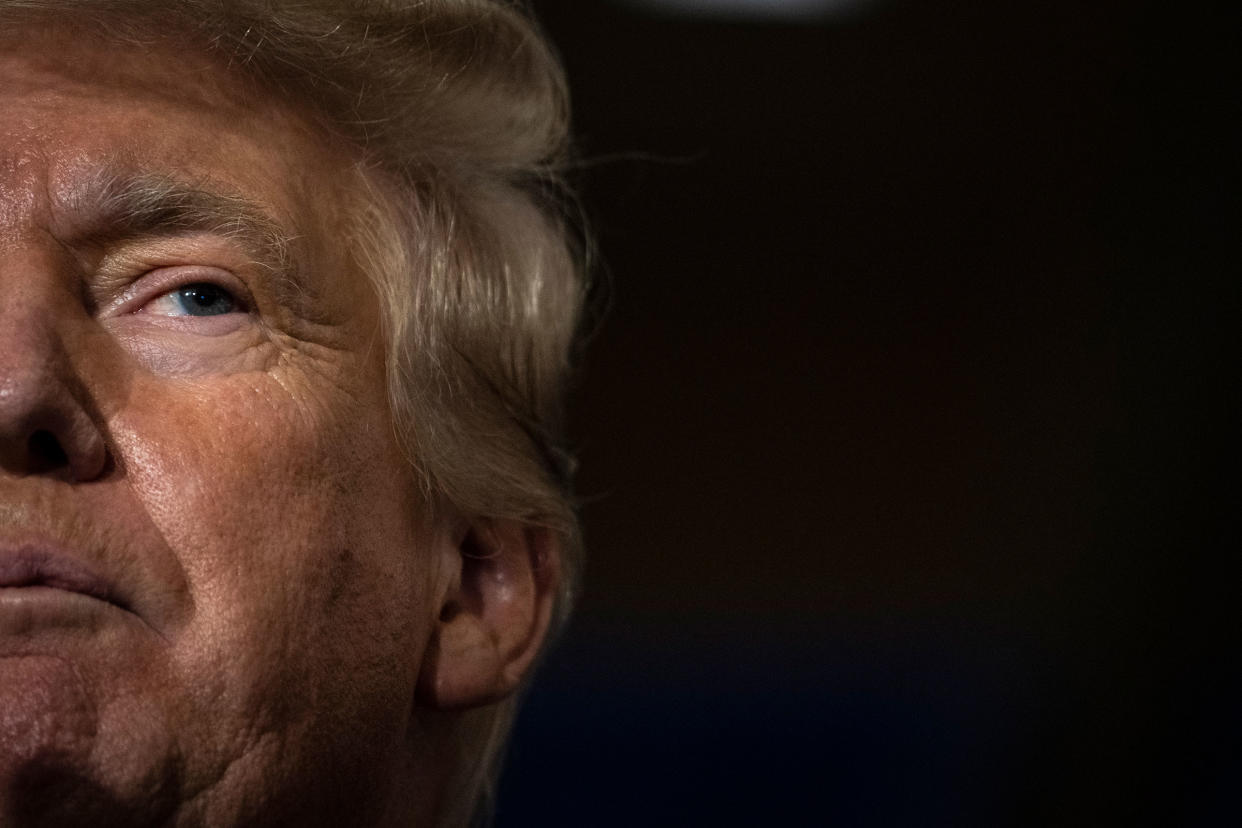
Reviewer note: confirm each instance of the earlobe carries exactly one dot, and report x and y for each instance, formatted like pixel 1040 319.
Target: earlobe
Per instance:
pixel 494 616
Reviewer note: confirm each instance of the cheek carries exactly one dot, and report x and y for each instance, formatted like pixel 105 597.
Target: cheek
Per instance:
pixel 297 527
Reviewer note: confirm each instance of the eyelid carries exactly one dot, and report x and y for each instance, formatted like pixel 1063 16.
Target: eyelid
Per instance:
pixel 162 280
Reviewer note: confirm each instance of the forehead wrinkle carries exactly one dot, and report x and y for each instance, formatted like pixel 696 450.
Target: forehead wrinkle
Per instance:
pixel 104 68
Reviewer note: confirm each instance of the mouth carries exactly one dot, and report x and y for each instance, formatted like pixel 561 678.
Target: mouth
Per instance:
pixel 37 566
pixel 85 564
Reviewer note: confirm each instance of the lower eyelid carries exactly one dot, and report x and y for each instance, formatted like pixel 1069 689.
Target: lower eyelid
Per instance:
pixel 151 327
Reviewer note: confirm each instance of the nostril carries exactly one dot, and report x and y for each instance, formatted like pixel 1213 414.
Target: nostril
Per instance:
pixel 45 452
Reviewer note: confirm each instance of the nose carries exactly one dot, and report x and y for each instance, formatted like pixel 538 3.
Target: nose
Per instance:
pixel 46 427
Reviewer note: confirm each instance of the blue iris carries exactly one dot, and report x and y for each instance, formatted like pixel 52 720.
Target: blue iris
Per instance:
pixel 205 300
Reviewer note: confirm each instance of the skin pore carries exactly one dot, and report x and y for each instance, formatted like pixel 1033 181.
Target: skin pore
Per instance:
pixel 195 426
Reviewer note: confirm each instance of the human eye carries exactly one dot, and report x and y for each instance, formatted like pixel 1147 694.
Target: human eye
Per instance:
pixel 188 294
pixel 194 300
pixel 190 299
pixel 180 317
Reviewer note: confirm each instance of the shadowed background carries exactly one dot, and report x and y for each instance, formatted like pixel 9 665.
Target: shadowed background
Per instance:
pixel 902 436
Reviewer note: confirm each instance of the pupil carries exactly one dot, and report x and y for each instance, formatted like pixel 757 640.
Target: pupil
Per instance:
pixel 206 300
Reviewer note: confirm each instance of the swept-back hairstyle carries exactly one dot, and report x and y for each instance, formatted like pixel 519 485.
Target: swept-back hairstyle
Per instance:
pixel 458 110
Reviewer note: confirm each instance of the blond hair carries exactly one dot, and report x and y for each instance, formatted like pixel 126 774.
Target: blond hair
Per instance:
pixel 459 110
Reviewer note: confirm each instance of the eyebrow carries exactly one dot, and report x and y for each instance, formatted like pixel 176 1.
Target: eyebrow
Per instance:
pixel 123 207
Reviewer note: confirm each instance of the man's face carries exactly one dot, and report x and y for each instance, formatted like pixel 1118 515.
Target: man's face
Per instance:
pixel 215 571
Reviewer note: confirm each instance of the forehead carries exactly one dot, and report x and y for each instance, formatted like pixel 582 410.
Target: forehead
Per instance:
pixel 75 109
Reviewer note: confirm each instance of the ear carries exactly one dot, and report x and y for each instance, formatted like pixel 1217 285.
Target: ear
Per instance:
pixel 494 614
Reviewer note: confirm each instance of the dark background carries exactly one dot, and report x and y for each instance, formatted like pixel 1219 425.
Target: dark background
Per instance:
pixel 903 433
